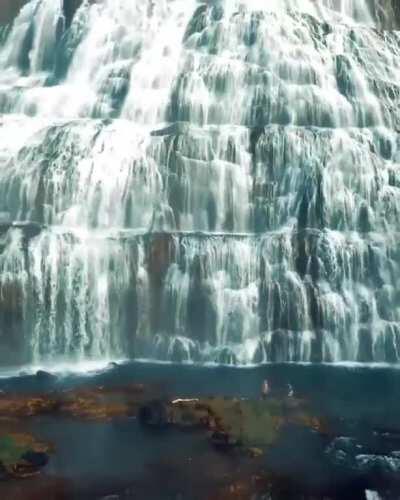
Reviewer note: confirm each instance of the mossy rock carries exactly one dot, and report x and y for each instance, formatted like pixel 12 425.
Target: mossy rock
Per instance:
pixel 247 423
pixel 11 449
pixel 21 454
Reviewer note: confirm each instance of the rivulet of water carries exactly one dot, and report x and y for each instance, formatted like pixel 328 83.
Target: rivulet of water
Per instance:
pixel 215 181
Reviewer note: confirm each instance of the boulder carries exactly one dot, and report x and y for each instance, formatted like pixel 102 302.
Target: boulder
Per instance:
pixel 43 376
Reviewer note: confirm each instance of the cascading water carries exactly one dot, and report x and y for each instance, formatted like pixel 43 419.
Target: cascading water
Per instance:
pixel 204 181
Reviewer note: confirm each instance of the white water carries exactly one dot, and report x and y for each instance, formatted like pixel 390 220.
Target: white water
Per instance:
pixel 270 127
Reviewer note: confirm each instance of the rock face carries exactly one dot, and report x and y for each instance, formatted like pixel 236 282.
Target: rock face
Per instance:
pixel 387 12
pixel 9 9
pixel 213 181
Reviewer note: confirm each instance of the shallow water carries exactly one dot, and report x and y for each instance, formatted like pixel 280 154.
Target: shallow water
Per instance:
pixel 120 457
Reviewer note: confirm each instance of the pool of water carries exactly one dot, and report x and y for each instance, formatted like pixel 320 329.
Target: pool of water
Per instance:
pixel 122 459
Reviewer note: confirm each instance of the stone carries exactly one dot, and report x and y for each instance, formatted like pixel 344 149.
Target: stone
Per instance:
pixel 44 376
pixel 386 13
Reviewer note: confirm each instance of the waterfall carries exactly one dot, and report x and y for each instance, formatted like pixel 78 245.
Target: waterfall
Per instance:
pixel 199 181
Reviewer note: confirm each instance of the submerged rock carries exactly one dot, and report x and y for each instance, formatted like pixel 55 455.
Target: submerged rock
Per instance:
pixel 92 403
pixel 44 376
pixel 342 451
pixel 154 414
pixel 247 424
pixel 22 455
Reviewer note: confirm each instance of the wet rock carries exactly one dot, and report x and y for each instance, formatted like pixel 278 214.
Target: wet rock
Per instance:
pixel 342 452
pixel 377 464
pixel 223 441
pixel 160 255
pixel 365 218
pixel 154 414
pixel 112 365
pixel 183 350
pixel 29 229
pixel 260 353
pixel 386 13
pixel 22 455
pixel 11 299
pixel 35 458
pixel 70 7
pixel 19 406
pixel 365 349
pixel 176 128
pixel 246 424
pixel 227 357
pixel 101 403
pixel 198 22
pixel 258 423
pixel 160 347
pixel 91 403
pixel 45 377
